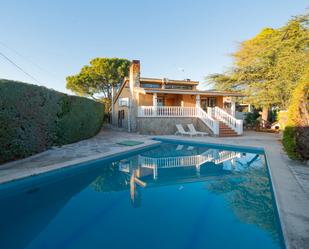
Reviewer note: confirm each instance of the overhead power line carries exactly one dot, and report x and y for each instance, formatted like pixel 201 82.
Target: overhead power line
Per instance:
pixel 26 58
pixel 13 63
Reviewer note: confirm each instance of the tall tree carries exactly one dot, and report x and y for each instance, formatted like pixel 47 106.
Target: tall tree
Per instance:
pixel 267 67
pixel 99 77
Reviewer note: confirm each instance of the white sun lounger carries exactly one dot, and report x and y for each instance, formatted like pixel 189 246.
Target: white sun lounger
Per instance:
pixel 179 147
pixel 192 130
pixel 181 131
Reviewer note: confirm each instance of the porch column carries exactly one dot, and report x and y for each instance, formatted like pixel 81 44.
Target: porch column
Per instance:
pixel 198 100
pixel 154 99
pixel 154 103
pixel 233 108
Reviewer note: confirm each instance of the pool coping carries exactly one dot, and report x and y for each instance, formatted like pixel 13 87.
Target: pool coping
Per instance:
pixel 76 162
pixel 291 204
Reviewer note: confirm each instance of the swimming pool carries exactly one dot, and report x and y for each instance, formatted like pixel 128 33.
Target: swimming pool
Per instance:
pixel 174 195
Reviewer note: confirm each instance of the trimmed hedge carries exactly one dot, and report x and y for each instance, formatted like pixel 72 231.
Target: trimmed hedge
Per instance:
pixel 34 118
pixel 296 133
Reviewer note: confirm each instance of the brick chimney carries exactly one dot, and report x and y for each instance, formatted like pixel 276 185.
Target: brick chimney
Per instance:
pixel 134 75
pixel 134 81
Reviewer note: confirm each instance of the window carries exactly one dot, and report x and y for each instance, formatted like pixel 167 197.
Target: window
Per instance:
pixel 212 102
pixel 150 85
pixel 208 102
pixel 227 105
pixel 123 102
pixel 186 87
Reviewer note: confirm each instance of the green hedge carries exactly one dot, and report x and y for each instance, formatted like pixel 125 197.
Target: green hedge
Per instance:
pixel 34 118
pixel 296 132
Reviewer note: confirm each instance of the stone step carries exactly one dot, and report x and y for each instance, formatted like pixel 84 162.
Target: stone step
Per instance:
pixel 232 133
pixel 226 131
pixel 228 135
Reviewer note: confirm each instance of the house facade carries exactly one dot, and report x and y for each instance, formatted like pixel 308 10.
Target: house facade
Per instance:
pixel 155 106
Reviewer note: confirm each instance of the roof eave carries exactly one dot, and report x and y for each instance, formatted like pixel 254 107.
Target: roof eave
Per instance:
pixel 194 92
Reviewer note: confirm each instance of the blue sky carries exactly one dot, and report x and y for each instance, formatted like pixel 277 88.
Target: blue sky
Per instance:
pixel 54 39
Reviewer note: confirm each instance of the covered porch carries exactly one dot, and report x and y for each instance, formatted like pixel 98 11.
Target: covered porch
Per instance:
pixel 181 104
pixel 207 107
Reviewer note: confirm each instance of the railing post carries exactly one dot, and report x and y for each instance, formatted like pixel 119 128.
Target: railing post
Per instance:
pixel 210 111
pixel 240 127
pixel 216 127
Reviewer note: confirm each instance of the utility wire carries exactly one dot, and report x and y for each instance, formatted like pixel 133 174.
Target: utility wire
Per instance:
pixel 27 59
pixel 13 63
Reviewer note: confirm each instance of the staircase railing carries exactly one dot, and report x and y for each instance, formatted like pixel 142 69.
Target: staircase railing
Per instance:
pixel 208 120
pixel 229 120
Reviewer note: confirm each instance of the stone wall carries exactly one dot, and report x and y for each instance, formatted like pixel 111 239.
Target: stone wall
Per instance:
pixel 167 126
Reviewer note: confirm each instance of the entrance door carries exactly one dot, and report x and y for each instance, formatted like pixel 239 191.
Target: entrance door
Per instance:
pixel 120 118
pixel 204 104
pixel 160 101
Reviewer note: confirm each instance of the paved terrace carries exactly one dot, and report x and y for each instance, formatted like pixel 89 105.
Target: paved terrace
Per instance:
pixel 103 144
pixel 290 179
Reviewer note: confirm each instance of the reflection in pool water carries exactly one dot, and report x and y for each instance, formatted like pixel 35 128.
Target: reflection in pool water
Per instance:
pixel 173 196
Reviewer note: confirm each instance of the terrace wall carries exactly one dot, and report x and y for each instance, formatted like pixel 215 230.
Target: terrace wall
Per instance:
pixel 167 126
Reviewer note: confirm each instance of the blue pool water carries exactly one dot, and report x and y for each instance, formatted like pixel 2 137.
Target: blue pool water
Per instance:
pixel 170 196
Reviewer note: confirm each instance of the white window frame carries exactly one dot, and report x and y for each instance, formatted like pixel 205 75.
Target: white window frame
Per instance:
pixel 123 102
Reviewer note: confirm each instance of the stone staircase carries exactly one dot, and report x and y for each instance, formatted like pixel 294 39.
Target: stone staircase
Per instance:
pixel 225 131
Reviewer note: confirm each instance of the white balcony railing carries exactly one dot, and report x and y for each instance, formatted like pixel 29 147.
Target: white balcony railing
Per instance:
pixel 229 120
pixel 178 111
pixel 167 111
pixel 174 162
pixel 187 161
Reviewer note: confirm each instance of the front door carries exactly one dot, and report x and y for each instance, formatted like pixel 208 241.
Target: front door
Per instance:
pixel 120 118
pixel 160 101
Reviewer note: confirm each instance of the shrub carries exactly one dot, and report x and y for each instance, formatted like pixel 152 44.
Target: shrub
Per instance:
pixel 296 133
pixel 289 142
pixel 34 118
pixel 251 119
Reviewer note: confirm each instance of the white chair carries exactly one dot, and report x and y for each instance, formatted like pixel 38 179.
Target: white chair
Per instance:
pixel 192 130
pixel 181 131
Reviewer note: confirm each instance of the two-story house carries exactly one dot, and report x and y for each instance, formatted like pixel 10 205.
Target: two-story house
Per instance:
pixel 155 106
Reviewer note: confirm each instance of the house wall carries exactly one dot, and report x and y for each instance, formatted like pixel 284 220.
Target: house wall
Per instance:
pixel 167 126
pixel 145 99
pixel 189 101
pixel 220 101
pixel 170 100
pixel 125 93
